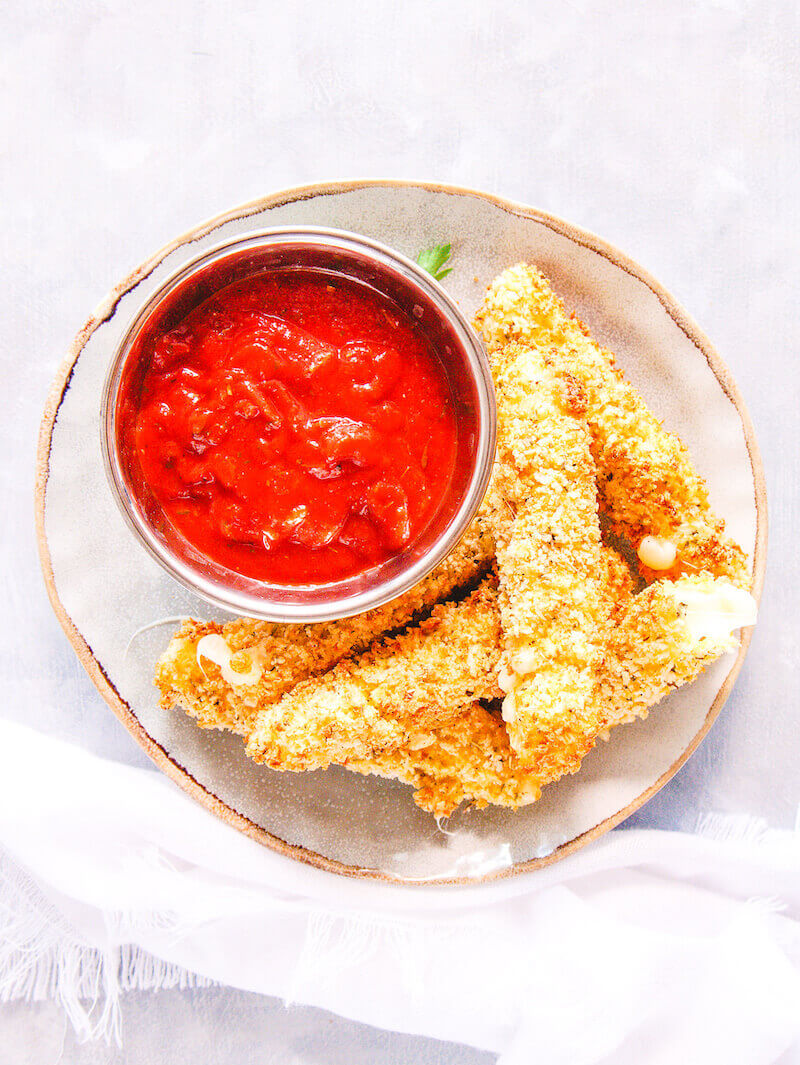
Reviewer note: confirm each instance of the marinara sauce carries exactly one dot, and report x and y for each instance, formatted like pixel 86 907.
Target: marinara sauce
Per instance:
pixel 296 428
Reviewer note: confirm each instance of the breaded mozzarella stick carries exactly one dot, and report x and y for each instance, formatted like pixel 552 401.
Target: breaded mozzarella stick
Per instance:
pixel 667 636
pixel 395 692
pixel 671 631
pixel 469 759
pixel 649 485
pixel 223 674
pixel 549 560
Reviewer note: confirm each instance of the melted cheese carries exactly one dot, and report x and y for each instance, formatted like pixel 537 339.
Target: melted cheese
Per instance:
pixel 657 553
pixel 507 680
pixel 214 648
pixel 510 708
pixel 715 612
pixel 524 661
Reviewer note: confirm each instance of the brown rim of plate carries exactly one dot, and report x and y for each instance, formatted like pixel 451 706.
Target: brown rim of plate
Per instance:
pixel 154 750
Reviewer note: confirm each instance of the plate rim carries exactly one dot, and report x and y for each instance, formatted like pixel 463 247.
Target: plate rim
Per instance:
pixel 168 764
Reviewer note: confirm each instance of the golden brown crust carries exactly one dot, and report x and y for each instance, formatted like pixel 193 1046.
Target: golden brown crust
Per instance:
pixel 549 558
pixel 653 651
pixel 292 653
pixel 468 759
pixel 399 689
pixel 650 651
pixel 648 483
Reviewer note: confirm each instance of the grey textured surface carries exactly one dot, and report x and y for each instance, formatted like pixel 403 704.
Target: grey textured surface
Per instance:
pixel 669 129
pixel 212 1026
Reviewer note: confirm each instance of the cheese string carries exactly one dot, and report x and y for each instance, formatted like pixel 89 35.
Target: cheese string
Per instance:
pixel 175 620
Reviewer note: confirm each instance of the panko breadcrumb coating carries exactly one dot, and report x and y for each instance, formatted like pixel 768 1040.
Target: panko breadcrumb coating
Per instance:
pixel 649 485
pixel 396 692
pixel 668 634
pixel 469 759
pixel 549 559
pixel 671 631
pixel 617 587
pixel 284 655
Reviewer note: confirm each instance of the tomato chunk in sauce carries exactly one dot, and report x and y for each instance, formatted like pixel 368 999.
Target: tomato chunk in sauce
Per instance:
pixel 294 428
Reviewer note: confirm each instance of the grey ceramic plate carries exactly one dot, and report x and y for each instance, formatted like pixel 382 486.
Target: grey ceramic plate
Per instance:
pixel 110 596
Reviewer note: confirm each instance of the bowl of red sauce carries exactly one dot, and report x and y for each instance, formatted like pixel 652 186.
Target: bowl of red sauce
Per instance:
pixel 299 424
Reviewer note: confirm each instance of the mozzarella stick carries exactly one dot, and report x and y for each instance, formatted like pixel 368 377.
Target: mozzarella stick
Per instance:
pixel 223 674
pixel 649 485
pixel 664 639
pixel 670 632
pixel 470 759
pixel 397 691
pixel 667 636
pixel 549 560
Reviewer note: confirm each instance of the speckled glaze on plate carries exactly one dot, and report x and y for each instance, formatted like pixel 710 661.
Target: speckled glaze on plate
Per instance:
pixel 115 603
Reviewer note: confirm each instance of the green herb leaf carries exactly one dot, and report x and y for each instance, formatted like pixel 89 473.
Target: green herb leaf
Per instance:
pixel 433 259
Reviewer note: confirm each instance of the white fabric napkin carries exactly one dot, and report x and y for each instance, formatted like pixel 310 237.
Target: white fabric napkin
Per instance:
pixel 646 946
